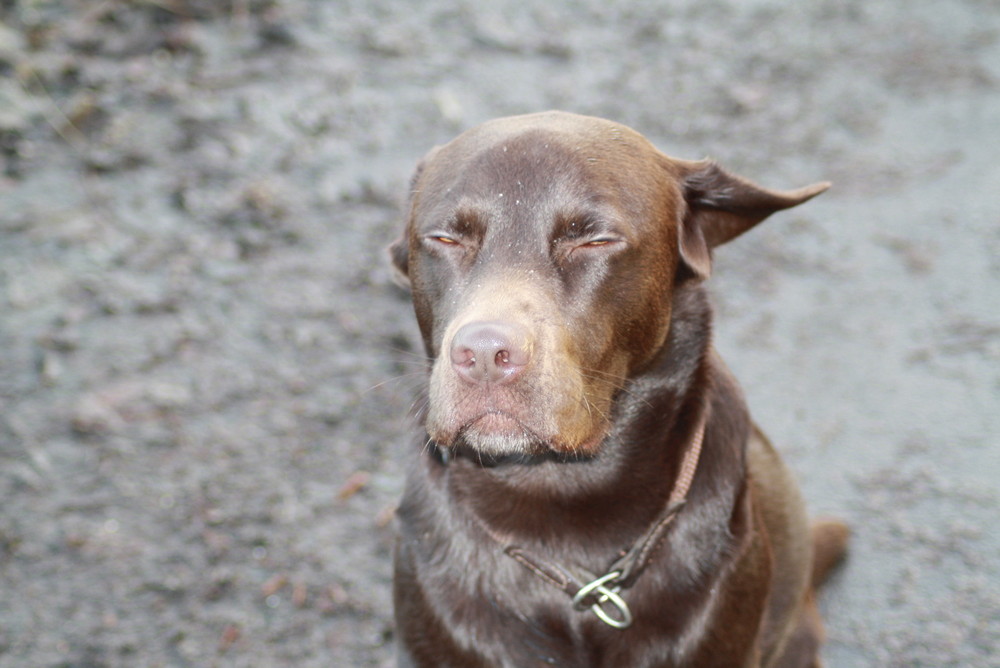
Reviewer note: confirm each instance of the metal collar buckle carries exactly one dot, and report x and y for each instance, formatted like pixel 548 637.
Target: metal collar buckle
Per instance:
pixel 606 595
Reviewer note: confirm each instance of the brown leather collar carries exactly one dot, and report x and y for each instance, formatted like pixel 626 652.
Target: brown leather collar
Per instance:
pixel 601 593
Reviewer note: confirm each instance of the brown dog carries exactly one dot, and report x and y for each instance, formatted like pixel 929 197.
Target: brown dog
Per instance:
pixel 592 491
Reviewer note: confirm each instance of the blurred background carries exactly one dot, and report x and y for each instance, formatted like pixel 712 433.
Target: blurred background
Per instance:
pixel 205 370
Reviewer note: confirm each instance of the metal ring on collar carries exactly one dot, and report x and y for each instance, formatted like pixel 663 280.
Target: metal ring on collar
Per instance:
pixel 606 595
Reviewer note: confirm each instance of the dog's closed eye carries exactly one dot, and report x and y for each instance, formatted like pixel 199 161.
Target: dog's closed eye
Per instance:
pixel 594 243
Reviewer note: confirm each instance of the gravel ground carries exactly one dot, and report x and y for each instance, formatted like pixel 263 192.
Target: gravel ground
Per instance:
pixel 205 368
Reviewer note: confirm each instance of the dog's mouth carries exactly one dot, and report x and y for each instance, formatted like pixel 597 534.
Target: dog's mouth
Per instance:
pixel 531 400
pixel 497 432
pixel 496 421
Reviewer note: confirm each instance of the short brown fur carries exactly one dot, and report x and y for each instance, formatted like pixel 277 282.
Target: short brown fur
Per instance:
pixel 557 265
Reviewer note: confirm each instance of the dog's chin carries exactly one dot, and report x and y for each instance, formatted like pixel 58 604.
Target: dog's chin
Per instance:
pixel 498 436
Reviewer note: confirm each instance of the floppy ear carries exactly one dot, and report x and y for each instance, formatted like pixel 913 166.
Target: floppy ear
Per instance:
pixel 721 206
pixel 399 250
pixel 399 257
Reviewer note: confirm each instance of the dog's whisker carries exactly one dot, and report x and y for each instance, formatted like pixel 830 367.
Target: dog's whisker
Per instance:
pixel 419 407
pixel 585 400
pixel 402 378
pixel 618 383
pixel 427 446
pixel 423 364
pixel 408 353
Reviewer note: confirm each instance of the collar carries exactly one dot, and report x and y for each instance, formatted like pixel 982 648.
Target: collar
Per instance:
pixel 602 593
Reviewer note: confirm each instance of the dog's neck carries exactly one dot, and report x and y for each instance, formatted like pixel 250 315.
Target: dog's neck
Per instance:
pixel 656 416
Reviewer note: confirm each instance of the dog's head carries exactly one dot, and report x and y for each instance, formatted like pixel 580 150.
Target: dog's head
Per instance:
pixel 542 252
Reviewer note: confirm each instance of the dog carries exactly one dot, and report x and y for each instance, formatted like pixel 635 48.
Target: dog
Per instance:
pixel 589 489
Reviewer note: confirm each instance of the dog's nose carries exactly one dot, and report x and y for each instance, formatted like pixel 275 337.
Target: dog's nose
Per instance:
pixel 491 352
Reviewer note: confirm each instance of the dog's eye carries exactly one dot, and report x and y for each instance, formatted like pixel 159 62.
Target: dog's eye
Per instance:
pixel 599 242
pixel 443 239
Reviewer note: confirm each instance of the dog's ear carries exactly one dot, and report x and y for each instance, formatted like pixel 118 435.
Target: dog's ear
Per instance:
pixel 399 258
pixel 399 250
pixel 721 206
